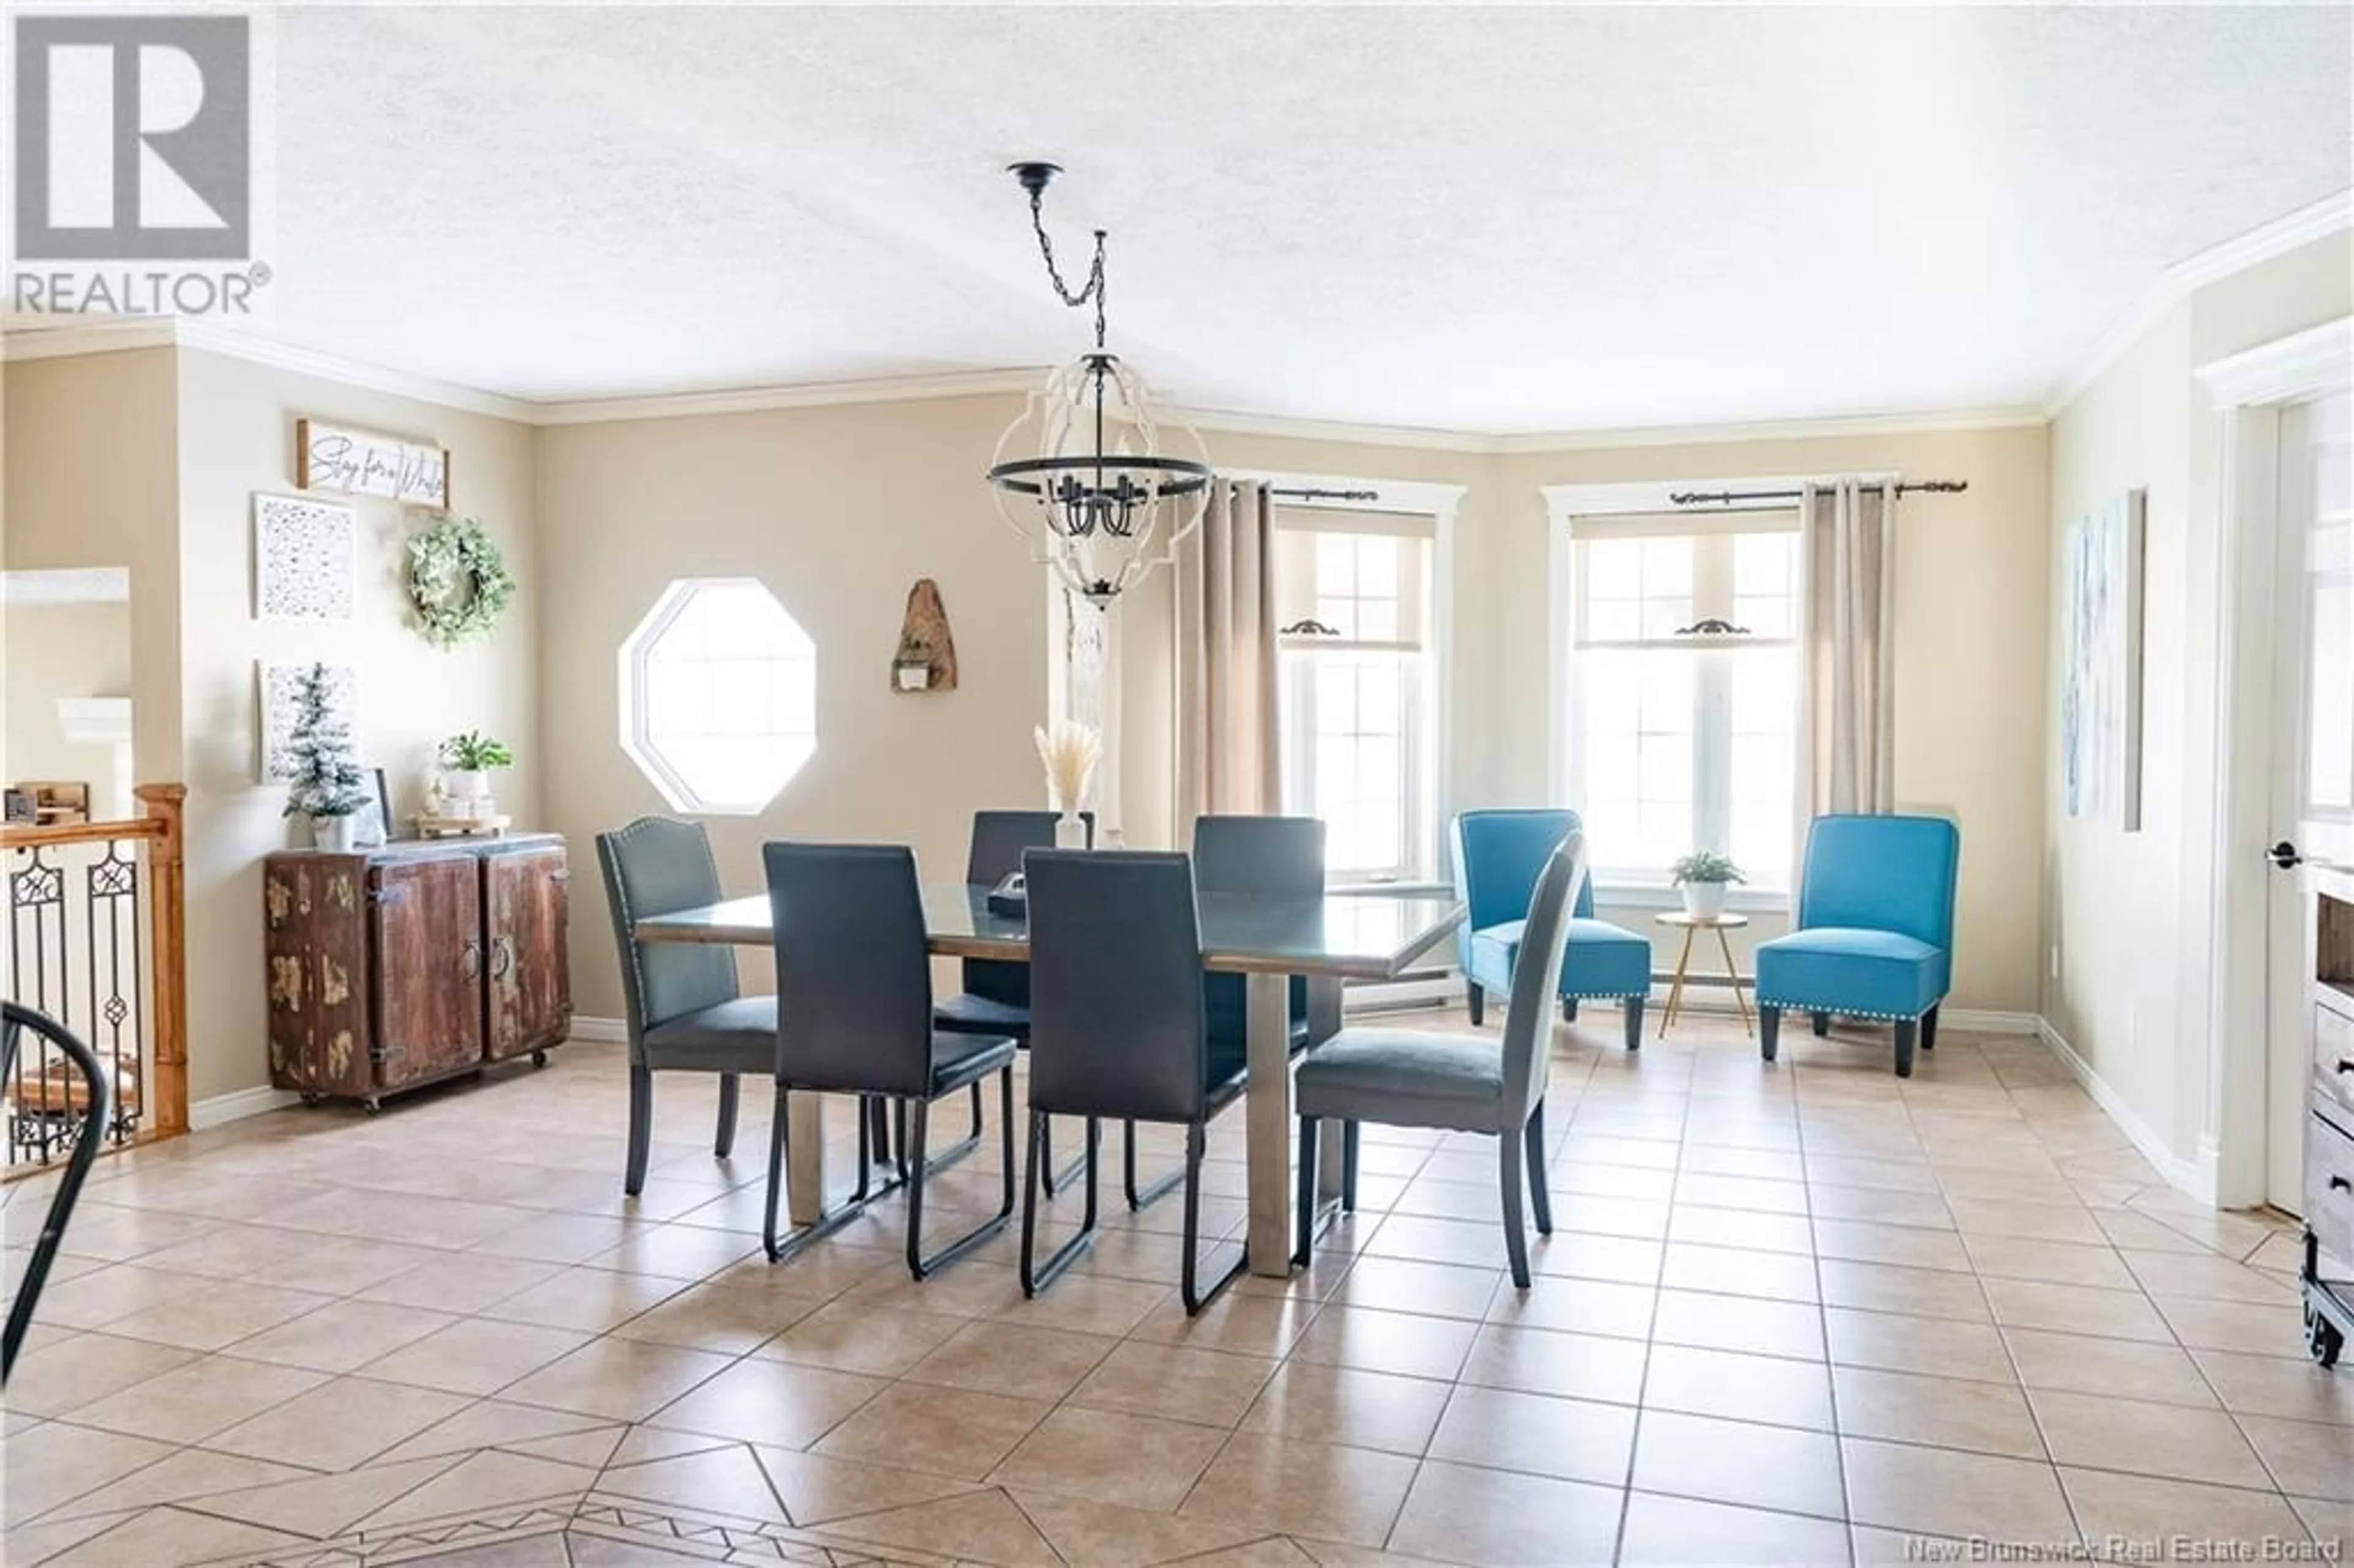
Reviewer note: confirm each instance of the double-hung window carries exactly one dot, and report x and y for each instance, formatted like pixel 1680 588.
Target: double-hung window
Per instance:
pixel 1352 599
pixel 1684 692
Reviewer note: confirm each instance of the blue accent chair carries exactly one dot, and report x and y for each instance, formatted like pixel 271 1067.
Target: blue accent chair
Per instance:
pixel 1499 856
pixel 1874 935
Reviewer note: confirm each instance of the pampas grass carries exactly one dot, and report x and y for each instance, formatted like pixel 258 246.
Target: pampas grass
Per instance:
pixel 1070 752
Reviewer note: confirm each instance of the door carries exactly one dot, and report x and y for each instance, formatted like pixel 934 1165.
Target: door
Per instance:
pixel 530 995
pixel 2312 765
pixel 426 926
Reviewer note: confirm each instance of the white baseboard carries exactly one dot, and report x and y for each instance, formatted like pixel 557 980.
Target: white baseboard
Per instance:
pixel 1978 1020
pixel 221 1110
pixel 2196 1178
pixel 600 1031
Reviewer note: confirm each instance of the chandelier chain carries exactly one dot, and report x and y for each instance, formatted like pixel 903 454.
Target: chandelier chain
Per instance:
pixel 1095 287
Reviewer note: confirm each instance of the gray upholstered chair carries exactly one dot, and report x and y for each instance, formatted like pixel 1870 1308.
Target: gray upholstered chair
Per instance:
pixel 855 1016
pixel 1118 1028
pixel 680 1000
pixel 1402 1077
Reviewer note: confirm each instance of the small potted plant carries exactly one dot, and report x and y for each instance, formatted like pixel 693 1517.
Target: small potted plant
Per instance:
pixel 467 760
pixel 912 667
pixel 1703 875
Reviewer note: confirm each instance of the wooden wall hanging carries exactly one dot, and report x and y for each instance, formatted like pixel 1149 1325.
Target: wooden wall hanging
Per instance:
pixel 927 659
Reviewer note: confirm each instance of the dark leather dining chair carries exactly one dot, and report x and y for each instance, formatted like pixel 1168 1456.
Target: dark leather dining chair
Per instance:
pixel 855 1016
pixel 1406 1077
pixel 1119 1029
pixel 996 995
pixel 680 1000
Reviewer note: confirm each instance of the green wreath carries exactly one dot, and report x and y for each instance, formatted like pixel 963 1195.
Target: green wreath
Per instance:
pixel 458 582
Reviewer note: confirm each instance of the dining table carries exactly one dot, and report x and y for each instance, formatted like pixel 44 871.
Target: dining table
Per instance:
pixel 1369 935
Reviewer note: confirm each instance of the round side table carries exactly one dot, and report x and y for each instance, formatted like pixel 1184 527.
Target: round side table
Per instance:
pixel 1690 924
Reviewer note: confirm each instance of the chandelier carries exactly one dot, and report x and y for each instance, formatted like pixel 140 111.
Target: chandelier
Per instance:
pixel 1085 474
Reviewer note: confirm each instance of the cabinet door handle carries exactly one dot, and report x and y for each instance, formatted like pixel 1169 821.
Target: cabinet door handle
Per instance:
pixel 2340 1185
pixel 473 958
pixel 2344 1065
pixel 502 957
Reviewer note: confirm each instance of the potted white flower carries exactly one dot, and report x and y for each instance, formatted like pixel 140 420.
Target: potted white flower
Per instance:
pixel 1704 877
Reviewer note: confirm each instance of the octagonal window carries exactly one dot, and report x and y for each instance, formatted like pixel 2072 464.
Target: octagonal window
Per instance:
pixel 718 696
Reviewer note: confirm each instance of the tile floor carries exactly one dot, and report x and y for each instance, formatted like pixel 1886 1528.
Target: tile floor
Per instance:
pixel 1791 1314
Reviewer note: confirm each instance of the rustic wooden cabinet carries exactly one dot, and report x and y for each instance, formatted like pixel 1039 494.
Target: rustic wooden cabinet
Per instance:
pixel 2329 1135
pixel 400 966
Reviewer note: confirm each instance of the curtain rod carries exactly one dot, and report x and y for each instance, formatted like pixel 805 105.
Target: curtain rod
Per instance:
pixel 1313 494
pixel 1727 497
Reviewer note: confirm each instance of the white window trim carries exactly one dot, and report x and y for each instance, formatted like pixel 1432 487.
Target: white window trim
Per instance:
pixel 631 659
pixel 1566 504
pixel 1413 498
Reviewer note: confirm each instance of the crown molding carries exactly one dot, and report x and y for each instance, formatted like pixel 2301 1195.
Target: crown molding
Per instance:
pixel 25 586
pixel 1830 427
pixel 2303 365
pixel 810 395
pixel 197 333
pixel 2327 216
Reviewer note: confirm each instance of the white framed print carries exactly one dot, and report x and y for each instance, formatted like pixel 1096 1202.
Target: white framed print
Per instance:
pixel 281 687
pixel 364 462
pixel 305 558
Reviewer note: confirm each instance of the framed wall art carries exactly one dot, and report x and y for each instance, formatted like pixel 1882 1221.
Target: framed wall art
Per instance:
pixel 305 558
pixel 364 462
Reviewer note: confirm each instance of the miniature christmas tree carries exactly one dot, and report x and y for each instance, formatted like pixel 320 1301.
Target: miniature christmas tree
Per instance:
pixel 327 782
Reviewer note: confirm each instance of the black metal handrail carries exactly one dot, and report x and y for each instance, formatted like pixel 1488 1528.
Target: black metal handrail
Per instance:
pixel 13 1020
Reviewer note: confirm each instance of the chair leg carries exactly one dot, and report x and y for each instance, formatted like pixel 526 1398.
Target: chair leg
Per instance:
pixel 642 1128
pixel 1908 1034
pixel 1569 1010
pixel 1509 1178
pixel 1634 1009
pixel 1197 1141
pixel 1822 1025
pixel 1304 1222
pixel 1037 1276
pixel 1348 1167
pixel 780 1247
pixel 1149 1196
pixel 726 1141
pixel 921 1169
pixel 975 1134
pixel 1770 1030
pixel 1476 999
pixel 1539 1200
pixel 1929 1029
pixel 1053 1180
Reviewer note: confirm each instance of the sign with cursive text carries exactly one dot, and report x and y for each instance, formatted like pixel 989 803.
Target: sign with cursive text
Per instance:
pixel 361 462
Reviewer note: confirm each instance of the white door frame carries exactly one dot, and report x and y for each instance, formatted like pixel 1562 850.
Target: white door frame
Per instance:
pixel 2248 391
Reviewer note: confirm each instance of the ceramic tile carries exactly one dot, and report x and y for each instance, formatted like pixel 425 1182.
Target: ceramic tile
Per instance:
pixel 1941 1491
pixel 1768 1389
pixel 758 1401
pixel 1535 1433
pixel 1131 1460
pixel 1737 1462
pixel 947 1431
pixel 1328 1493
pixel 1463 1514
pixel 2150 1439
pixel 1675 1532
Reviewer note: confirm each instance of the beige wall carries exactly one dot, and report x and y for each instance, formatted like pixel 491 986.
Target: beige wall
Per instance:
pixel 838 511
pixel 1971 594
pixel 237 437
pixel 53 651
pixel 2129 913
pixel 91 454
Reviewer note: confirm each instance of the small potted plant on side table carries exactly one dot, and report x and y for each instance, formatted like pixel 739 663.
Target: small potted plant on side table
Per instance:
pixel 1703 875
pixel 467 760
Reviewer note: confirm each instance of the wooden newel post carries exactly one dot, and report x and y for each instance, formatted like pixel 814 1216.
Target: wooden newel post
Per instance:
pixel 167 922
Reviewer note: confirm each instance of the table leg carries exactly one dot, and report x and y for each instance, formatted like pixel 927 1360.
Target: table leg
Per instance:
pixel 1268 1048
pixel 805 1158
pixel 1323 1022
pixel 1676 987
pixel 1733 973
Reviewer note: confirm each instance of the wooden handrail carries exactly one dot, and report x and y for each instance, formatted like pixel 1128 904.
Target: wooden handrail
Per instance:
pixel 149 827
pixel 167 917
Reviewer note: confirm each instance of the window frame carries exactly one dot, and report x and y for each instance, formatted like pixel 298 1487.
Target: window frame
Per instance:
pixel 636 741
pixel 1579 511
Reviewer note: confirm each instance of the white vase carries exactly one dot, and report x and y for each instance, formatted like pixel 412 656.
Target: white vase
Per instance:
pixel 335 835
pixel 1070 831
pixel 466 784
pixel 914 677
pixel 1705 900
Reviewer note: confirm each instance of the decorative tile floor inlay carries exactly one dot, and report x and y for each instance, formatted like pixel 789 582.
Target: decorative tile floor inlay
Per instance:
pixel 1797 1313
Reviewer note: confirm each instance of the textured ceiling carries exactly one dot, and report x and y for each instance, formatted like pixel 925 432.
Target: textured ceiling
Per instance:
pixel 1466 218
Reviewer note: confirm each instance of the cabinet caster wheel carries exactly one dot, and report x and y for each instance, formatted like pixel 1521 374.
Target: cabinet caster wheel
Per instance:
pixel 372 1106
pixel 2322 1339
pixel 309 1098
pixel 539 1058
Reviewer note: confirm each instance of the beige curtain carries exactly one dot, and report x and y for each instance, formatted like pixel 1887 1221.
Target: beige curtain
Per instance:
pixel 1226 722
pixel 1846 650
